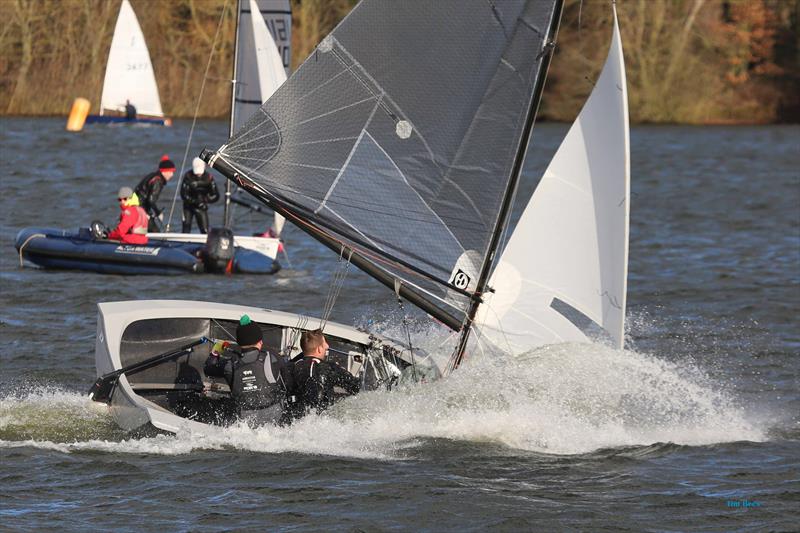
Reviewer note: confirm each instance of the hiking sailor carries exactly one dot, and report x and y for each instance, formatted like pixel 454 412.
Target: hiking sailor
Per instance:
pixel 315 378
pixel 251 374
pixel 132 227
pixel 149 190
pixel 197 191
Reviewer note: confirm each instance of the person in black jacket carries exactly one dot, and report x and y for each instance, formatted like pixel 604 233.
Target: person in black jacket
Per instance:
pixel 197 191
pixel 315 378
pixel 130 110
pixel 252 374
pixel 149 189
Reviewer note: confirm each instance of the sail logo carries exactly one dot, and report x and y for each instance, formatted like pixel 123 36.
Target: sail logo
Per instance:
pixel 460 280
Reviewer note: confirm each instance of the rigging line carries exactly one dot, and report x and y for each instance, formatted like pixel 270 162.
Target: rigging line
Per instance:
pixel 336 286
pixel 294 336
pixel 196 111
pixel 408 331
pixel 233 337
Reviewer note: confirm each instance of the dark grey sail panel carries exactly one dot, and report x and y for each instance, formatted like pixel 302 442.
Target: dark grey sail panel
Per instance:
pixel 399 133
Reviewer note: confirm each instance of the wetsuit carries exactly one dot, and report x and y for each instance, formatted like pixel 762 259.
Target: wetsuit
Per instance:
pixel 148 191
pixel 132 227
pixel 197 192
pixel 314 382
pixel 130 111
pixel 252 377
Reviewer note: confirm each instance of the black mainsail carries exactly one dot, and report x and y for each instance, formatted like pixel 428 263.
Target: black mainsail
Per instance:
pixel 399 142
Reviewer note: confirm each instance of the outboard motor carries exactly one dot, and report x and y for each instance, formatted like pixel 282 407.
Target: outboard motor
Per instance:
pixel 218 251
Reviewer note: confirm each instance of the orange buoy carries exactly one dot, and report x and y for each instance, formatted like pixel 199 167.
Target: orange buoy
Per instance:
pixel 77 116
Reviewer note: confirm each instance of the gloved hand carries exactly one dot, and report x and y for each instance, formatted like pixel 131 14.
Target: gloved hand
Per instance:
pixel 219 348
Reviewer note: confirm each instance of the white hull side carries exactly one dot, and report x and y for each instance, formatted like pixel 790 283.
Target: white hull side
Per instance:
pixel 130 410
pixel 264 245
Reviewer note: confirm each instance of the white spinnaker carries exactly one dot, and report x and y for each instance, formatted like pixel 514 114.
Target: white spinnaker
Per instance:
pixel 571 242
pixel 263 63
pixel 129 73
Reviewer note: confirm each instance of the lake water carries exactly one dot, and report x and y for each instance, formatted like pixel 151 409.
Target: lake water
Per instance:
pixel 695 426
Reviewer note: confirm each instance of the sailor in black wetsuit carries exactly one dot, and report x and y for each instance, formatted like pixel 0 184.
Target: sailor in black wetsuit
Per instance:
pixel 315 378
pixel 252 375
pixel 197 191
pixel 149 189
pixel 130 110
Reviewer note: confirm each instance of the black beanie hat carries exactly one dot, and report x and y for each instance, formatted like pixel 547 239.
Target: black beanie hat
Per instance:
pixel 166 163
pixel 247 332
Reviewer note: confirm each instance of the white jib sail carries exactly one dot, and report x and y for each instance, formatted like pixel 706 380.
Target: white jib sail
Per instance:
pixel 571 243
pixel 129 73
pixel 261 67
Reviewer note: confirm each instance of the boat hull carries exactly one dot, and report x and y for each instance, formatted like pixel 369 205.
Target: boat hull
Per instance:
pixel 59 249
pixel 165 396
pixel 110 119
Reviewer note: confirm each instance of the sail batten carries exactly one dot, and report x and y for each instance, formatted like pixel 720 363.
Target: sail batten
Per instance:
pixel 399 135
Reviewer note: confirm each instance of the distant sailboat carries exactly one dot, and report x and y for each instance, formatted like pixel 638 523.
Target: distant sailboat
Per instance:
pixel 129 77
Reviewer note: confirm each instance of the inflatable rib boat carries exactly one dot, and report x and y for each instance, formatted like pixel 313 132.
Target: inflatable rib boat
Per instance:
pixel 77 250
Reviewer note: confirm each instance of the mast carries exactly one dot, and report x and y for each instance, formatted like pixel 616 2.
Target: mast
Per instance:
pixel 228 186
pixel 516 173
pixel 221 166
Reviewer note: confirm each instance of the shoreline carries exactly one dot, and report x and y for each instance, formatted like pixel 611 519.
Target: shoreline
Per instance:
pixel 711 123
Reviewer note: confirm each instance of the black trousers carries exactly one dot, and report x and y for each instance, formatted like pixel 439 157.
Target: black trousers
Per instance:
pixel 202 219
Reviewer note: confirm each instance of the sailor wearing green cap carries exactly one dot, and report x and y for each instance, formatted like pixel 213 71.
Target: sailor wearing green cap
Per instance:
pixel 251 373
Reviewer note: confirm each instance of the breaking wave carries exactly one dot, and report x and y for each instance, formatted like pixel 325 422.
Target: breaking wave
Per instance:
pixel 564 399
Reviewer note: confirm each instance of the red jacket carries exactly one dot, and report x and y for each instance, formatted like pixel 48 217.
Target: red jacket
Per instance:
pixel 132 227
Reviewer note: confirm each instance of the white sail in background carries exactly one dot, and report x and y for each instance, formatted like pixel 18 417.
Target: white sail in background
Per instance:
pixel 129 73
pixel 571 243
pixel 260 68
pixel 264 61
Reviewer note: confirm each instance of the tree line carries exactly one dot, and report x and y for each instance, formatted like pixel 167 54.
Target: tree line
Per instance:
pixel 688 61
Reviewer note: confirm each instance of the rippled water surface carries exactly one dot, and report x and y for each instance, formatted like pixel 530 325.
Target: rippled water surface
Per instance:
pixel 694 426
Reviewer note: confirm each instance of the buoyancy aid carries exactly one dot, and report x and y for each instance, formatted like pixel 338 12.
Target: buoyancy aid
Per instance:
pixel 132 227
pixel 140 225
pixel 250 386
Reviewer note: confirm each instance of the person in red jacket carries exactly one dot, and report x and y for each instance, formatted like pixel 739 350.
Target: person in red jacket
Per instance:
pixel 132 227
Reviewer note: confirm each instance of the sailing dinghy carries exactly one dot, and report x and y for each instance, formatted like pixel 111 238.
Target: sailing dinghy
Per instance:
pixel 129 77
pixel 410 175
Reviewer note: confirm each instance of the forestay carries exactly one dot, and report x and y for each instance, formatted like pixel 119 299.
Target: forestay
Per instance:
pixel 398 136
pixel 129 73
pixel 571 244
